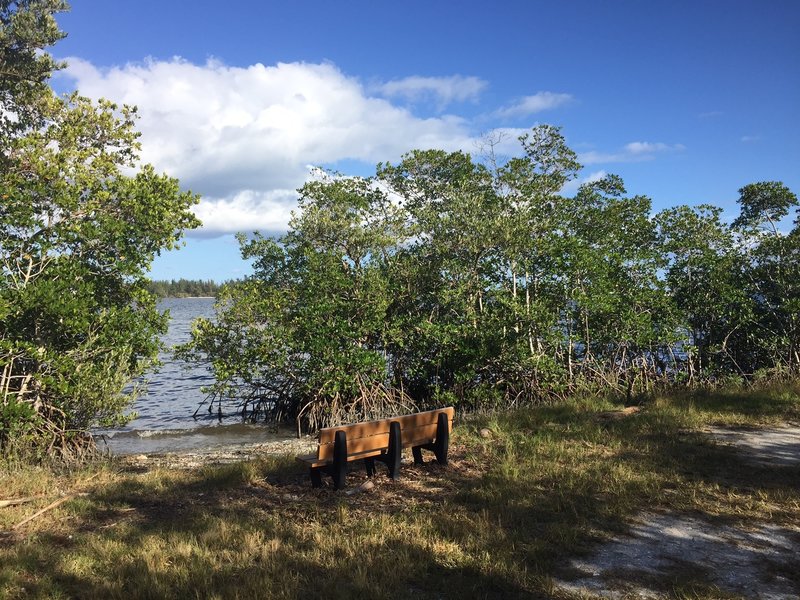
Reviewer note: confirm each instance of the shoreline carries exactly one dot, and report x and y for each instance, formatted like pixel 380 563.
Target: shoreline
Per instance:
pixel 230 453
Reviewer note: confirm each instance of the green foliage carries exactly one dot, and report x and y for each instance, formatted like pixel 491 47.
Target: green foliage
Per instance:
pixel 771 275
pixel 77 237
pixel 764 204
pixel 26 28
pixel 480 285
pixel 301 338
pixel 704 276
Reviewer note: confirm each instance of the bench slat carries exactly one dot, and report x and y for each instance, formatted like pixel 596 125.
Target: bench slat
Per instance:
pixel 311 460
pixel 370 428
pixel 410 436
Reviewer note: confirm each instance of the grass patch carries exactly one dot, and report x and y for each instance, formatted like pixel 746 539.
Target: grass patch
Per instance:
pixel 548 484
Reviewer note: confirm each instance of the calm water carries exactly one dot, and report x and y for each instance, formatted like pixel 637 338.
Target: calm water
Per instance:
pixel 164 419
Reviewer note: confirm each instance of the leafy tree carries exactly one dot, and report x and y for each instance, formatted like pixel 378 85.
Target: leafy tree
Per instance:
pixel 763 205
pixel 26 28
pixel 771 274
pixel 443 305
pixel 448 280
pixel 535 231
pixel 304 337
pixel 77 237
pixel 704 278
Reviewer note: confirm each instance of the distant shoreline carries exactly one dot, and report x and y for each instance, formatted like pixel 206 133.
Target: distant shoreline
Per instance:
pixel 185 288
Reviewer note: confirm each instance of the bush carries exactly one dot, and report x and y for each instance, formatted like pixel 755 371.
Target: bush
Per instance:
pixel 77 238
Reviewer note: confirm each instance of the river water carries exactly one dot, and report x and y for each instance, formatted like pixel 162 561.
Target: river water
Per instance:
pixel 164 421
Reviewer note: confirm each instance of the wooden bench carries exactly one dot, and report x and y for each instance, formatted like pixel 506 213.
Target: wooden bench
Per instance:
pixel 381 440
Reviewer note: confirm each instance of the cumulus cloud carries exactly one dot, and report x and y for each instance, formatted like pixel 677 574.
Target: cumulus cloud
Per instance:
pixel 442 90
pixel 631 152
pixel 248 210
pixel 533 104
pixel 242 136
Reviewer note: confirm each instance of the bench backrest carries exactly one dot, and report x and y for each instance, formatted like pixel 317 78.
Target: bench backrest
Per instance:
pixel 417 429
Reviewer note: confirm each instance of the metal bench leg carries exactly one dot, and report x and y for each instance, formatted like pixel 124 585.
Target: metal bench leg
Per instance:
pixel 316 477
pixel 442 443
pixel 339 467
pixel 417 452
pixel 395 450
pixel 370 464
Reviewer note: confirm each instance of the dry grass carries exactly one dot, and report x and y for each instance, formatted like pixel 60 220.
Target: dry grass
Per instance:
pixel 501 521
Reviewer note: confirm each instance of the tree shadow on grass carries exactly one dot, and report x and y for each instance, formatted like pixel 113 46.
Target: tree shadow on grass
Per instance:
pixel 698 457
pixel 243 531
pixel 555 519
pixel 714 505
pixel 500 521
pixel 779 403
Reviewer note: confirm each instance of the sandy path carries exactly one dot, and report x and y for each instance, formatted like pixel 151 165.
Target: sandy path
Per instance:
pixel 659 552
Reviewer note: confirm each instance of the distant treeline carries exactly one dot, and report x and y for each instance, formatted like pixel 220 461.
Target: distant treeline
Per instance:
pixel 184 288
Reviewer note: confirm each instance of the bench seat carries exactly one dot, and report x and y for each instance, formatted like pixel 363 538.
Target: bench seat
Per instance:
pixel 381 440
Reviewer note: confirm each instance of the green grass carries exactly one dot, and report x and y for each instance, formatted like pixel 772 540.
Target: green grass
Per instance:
pixel 501 521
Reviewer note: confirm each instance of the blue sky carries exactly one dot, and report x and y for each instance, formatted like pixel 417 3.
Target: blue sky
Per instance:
pixel 687 101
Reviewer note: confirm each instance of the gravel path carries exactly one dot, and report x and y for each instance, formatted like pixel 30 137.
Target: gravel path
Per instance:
pixel 661 548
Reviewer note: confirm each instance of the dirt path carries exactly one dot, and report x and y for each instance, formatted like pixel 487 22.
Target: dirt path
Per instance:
pixel 775 446
pixel 664 555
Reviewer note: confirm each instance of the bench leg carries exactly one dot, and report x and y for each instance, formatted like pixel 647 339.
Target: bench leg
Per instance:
pixel 370 464
pixel 339 467
pixel 316 477
pixel 395 450
pixel 442 443
pixel 417 452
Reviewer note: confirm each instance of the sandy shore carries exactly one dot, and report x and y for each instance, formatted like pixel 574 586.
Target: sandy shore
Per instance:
pixel 220 454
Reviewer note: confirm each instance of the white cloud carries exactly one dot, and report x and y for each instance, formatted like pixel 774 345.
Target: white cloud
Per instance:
pixel 631 152
pixel 243 136
pixel 247 210
pixel 572 186
pixel 596 176
pixel 749 138
pixel 649 148
pixel 442 90
pixel 533 104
